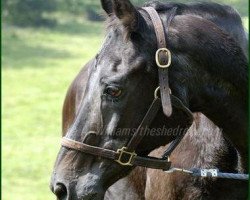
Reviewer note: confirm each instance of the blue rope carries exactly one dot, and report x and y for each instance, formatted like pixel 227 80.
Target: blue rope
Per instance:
pixel 207 173
pixel 210 173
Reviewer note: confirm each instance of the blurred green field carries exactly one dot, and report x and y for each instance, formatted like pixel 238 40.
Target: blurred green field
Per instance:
pixel 38 66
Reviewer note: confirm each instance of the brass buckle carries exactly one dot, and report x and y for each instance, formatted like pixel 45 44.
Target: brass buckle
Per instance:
pixel 123 151
pixel 168 54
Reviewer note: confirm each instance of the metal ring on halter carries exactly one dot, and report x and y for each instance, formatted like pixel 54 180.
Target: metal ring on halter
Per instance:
pixel 89 133
pixel 168 55
pixel 156 91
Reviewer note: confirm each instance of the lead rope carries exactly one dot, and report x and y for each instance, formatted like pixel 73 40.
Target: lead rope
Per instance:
pixel 209 173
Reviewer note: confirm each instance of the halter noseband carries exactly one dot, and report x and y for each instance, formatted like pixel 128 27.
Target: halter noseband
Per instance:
pixel 126 156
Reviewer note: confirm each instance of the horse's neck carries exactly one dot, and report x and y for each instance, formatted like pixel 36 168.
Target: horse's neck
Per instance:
pixel 230 22
pixel 210 148
pixel 131 187
pixel 211 75
pixel 203 147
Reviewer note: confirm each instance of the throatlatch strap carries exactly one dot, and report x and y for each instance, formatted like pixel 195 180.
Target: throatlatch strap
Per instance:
pixel 140 132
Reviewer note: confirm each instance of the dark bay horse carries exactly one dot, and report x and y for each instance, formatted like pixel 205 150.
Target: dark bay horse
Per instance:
pixel 118 94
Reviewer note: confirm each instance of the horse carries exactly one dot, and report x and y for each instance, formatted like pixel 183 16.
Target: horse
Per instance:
pixel 117 95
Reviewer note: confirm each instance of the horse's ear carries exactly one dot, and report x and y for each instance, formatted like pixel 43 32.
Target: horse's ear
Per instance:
pixel 126 12
pixel 107 6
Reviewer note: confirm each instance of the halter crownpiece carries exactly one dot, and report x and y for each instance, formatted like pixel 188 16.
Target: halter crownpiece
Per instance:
pixel 126 155
pixel 162 56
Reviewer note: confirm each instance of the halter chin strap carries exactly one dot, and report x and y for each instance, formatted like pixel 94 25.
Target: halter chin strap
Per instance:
pixel 126 156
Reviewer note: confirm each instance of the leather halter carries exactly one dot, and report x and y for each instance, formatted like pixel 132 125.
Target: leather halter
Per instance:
pixel 162 56
pixel 126 156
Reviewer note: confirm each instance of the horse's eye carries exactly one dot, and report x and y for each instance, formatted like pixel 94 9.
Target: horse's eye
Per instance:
pixel 113 91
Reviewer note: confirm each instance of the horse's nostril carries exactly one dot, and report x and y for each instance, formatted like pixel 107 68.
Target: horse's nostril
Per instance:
pixel 60 190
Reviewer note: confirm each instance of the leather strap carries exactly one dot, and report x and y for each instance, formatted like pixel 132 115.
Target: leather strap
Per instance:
pixel 158 26
pixel 149 162
pixel 161 43
pixel 148 118
pixel 150 115
pixel 179 105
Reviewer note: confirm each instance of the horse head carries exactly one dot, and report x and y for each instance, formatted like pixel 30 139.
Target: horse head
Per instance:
pixel 120 88
pixel 122 84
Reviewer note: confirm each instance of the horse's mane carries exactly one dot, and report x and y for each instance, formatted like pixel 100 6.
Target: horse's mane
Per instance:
pixel 210 10
pixel 199 7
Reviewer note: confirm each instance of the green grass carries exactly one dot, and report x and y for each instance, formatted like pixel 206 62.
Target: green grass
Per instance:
pixel 38 66
pixel 245 21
